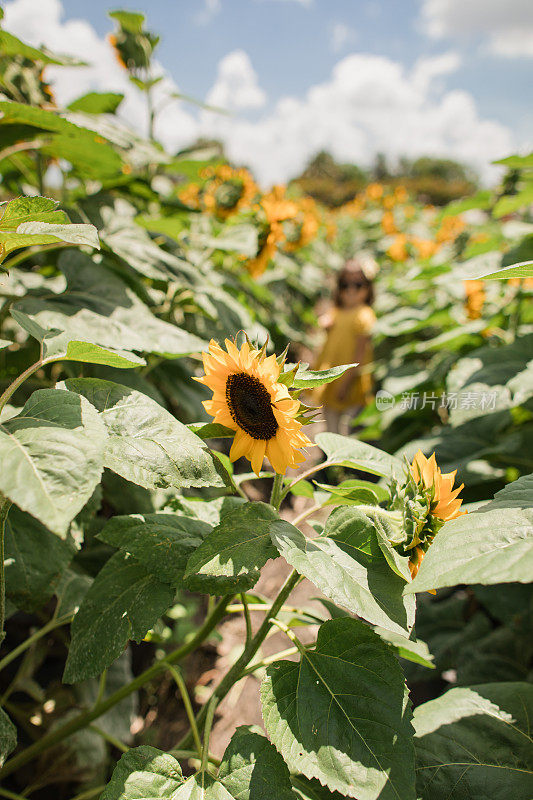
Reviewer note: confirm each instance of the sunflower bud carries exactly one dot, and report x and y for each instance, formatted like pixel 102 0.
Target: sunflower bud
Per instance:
pixel 228 194
pixel 426 501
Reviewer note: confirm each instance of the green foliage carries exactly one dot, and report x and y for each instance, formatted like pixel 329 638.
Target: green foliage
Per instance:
pixel 142 771
pixel 36 560
pixel 52 456
pixel 475 741
pixel 161 542
pixel 97 103
pixel 251 769
pixel 28 221
pixel 324 714
pixel 118 500
pixel 123 603
pixel 230 558
pixel 145 444
pixel 8 736
pixel 352 453
pixel 352 572
pixel 489 546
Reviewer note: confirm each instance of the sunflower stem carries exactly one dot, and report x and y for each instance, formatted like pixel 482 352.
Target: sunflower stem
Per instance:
pixel 277 488
pixel 57 735
pixel 209 719
pixel 176 674
pixel 237 670
pixel 247 618
pixel 5 505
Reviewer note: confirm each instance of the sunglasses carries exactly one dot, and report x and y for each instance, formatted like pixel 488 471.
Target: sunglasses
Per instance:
pixel 351 284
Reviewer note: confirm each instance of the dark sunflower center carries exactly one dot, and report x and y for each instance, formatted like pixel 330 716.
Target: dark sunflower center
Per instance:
pixel 250 406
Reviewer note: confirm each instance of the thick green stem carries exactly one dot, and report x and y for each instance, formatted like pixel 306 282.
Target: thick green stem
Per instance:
pixel 180 683
pixel 290 634
pixel 209 717
pixel 11 795
pixel 236 672
pixel 50 626
pixel 247 618
pixel 277 488
pixel 28 252
pixel 82 720
pixel 101 687
pixel 18 382
pixel 265 662
pixel 307 474
pixel 306 513
pixel 192 754
pixel 5 505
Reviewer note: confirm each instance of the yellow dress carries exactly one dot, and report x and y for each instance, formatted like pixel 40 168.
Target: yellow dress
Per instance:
pixel 339 348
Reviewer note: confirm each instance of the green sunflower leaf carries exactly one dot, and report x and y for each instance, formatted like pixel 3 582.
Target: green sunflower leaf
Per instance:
pixel 491 545
pixel 476 742
pixel 252 768
pixel 123 603
pixel 341 714
pixel 354 574
pixel 359 455
pixel 52 456
pixel 309 379
pixel 144 773
pixel 161 542
pixel 8 736
pixel 146 444
pixel 230 558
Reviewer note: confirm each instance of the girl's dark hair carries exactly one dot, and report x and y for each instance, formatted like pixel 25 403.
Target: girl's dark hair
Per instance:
pixel 352 271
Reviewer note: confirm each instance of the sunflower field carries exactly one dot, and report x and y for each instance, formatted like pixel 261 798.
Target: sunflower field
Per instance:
pixel 203 594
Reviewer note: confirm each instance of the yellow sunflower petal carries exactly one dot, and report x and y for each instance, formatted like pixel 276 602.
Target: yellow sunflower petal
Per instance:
pixel 429 471
pixel 233 351
pixel 223 417
pixel 416 467
pixel 241 445
pixel 287 405
pixel 257 455
pixel 277 456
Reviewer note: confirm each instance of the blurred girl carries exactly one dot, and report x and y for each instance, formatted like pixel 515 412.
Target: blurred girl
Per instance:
pixel 349 325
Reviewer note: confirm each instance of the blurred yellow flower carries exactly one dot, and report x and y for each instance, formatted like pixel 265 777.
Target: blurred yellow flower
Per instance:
pixel 424 247
pixel 374 191
pixel 475 298
pixel 401 194
pixel 398 249
pixel 388 223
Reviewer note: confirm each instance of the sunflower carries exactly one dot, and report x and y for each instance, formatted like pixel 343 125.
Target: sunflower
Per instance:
pixel 444 504
pixel 426 500
pixel 248 398
pixel 475 298
pixel 229 190
pixel 398 249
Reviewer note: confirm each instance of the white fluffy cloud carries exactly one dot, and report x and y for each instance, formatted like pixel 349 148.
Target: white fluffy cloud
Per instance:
pixel 236 85
pixel 341 36
pixel 368 104
pixel 507 26
pixel 210 10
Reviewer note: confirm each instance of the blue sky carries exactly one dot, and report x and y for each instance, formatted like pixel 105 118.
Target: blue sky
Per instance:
pixel 456 73
pixel 291 45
